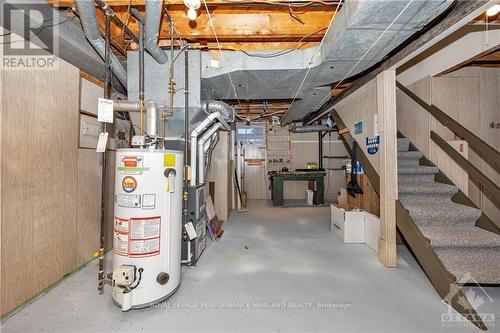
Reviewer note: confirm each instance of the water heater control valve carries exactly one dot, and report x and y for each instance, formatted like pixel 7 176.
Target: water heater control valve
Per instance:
pixel 124 276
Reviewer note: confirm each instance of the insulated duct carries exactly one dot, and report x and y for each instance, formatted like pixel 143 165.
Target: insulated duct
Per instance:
pixel 226 110
pixel 152 28
pixel 362 34
pixel 310 128
pixel 88 18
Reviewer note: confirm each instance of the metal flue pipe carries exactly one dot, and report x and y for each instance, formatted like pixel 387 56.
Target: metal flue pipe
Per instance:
pixel 89 23
pixel 152 119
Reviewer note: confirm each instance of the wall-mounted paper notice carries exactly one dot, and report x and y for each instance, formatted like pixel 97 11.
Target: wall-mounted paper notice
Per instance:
pixel 103 141
pixel 105 110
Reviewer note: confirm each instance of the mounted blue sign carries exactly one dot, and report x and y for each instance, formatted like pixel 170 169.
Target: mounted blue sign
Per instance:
pixel 372 144
pixel 358 127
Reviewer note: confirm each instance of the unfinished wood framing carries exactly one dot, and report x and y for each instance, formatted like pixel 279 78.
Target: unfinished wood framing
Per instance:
pixel 374 106
pixel 386 102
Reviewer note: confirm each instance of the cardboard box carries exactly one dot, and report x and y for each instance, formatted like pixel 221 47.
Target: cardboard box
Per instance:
pixel 342 200
pixel 348 223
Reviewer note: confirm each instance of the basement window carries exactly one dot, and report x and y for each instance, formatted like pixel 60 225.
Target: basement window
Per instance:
pixel 252 133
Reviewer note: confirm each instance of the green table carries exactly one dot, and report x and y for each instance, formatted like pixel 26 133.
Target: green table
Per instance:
pixel 277 180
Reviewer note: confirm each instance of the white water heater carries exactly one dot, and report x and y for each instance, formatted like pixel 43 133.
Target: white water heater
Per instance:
pixel 147 226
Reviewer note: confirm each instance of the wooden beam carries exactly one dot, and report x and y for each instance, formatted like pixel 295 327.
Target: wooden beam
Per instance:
pixel 272 25
pixel 386 100
pixel 68 3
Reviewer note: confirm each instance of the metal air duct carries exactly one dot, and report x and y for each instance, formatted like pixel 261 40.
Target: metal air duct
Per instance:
pixel 226 110
pixel 89 23
pixel 152 28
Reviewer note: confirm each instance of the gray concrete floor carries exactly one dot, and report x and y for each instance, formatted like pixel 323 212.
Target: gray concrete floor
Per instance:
pixel 284 258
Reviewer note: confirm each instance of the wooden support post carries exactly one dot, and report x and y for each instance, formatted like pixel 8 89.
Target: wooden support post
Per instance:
pixel 386 105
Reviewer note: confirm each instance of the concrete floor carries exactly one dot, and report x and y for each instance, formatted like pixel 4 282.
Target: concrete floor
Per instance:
pixel 274 257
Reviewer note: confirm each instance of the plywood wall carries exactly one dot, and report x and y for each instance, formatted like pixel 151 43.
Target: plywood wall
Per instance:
pixel 374 106
pixel 50 189
pixel 361 106
pixel 472 97
pixel 221 173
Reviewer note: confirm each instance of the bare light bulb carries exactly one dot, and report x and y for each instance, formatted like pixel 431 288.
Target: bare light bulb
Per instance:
pixel 192 14
pixel 494 10
pixel 192 3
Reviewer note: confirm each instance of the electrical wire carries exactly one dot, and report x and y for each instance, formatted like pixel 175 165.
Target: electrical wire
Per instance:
pixel 315 56
pixel 220 50
pixel 364 55
pixel 305 4
pixel 127 18
pixel 282 52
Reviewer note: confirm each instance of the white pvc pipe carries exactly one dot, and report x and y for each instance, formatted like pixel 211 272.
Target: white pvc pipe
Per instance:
pixel 201 144
pixel 194 139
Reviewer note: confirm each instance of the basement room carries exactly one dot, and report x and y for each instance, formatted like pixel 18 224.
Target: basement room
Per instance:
pixel 250 166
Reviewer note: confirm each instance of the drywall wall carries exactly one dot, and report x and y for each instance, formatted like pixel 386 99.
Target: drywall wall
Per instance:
pixel 471 96
pixel 50 188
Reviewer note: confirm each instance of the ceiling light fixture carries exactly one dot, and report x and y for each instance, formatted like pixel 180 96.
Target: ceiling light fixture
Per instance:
pixel 493 10
pixel 192 6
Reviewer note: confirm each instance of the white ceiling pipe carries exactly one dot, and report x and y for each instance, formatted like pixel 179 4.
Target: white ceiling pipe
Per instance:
pixel 201 160
pixel 194 138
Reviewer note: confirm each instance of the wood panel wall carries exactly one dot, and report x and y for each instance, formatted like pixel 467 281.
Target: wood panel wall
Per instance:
pixel 303 148
pixel 50 189
pixel 361 106
pixel 374 105
pixel 471 96
pixel 221 172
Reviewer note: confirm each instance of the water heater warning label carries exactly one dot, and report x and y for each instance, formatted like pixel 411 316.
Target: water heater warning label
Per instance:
pixel 120 236
pixel 144 237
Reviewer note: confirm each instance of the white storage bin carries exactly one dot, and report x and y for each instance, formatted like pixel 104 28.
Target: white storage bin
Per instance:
pixel 309 197
pixel 348 223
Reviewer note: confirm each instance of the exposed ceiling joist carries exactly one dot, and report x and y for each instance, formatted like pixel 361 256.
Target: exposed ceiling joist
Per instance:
pixel 67 3
pixel 239 26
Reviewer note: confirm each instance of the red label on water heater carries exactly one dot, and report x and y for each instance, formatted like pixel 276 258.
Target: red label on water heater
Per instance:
pixel 144 236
